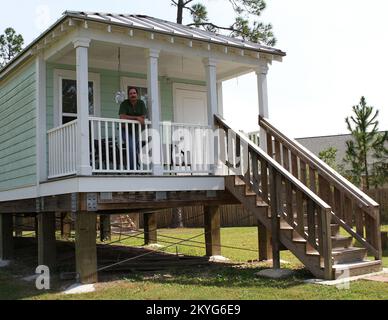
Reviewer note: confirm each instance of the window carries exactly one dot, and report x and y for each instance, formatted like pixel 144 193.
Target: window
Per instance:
pixel 69 100
pixel 65 96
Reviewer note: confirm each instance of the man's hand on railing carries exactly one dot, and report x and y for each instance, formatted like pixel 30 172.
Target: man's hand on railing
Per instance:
pixel 141 119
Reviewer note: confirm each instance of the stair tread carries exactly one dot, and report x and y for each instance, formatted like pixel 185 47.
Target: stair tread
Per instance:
pixel 357 264
pixel 340 237
pixel 261 203
pixel 339 251
pixel 238 181
pixel 331 225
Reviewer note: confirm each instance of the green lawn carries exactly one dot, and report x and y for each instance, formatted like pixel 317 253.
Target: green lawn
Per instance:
pixel 233 281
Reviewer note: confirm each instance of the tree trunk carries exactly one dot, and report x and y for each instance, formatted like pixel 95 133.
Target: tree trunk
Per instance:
pixel 179 16
pixel 177 218
pixel 366 172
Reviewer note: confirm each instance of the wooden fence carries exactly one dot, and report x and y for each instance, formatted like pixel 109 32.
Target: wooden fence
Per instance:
pixel 381 197
pixel 237 216
pixel 192 217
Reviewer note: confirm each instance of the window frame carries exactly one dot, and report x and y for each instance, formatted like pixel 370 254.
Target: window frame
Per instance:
pixel 61 74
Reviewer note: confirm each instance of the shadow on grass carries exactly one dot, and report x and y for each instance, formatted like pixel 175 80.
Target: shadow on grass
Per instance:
pixel 221 276
pixel 210 274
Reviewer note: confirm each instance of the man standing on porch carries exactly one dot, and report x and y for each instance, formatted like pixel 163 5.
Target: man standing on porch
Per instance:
pixel 133 109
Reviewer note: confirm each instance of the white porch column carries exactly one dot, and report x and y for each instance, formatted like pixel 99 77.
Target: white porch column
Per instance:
pixel 83 157
pixel 262 91
pixel 220 100
pixel 212 109
pixel 41 128
pixel 211 83
pixel 154 107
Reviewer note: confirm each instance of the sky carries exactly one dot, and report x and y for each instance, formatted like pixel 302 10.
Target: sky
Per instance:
pixel 336 53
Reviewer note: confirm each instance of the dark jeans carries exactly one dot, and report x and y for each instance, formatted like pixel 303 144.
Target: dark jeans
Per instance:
pixel 131 150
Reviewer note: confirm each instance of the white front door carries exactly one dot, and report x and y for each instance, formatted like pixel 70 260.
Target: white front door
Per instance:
pixel 190 104
pixel 189 142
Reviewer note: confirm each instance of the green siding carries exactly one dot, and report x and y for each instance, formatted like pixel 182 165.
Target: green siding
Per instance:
pixel 109 84
pixel 17 130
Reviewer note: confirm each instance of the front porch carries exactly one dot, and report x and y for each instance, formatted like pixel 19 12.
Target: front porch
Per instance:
pixel 125 147
pixel 179 79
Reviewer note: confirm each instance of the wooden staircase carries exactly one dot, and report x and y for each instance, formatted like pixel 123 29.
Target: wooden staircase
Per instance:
pixel 326 222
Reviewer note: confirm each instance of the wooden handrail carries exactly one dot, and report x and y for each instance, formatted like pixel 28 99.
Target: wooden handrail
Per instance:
pixel 299 185
pixel 281 178
pixel 325 169
pixel 349 203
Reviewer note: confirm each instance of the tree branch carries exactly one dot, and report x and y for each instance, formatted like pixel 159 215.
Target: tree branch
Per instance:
pixel 212 25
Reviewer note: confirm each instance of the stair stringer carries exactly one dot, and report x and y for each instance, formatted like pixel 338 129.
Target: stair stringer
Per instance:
pixel 310 261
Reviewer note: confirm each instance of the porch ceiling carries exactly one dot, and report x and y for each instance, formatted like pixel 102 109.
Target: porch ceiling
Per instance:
pixel 133 59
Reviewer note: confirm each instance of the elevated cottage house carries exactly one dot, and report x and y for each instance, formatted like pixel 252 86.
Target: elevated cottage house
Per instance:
pixel 63 147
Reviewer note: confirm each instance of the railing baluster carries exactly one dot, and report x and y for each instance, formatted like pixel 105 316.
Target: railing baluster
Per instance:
pixel 270 145
pixel 289 202
pixel 300 212
pixel 348 211
pixel 255 173
pixel 99 146
pixel 294 163
pixel 113 124
pixel 264 180
pixel 93 155
pixel 277 151
pixel 312 179
pixel 107 165
pixel 311 222
pixel 134 148
pixel 286 158
pixel 127 145
pixel 359 220
pixel 325 190
pixel 121 147
pixel 303 172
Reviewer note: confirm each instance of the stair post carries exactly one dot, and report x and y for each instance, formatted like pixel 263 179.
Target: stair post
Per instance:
pixel 85 246
pixel 6 236
pixel 265 247
pixel 150 228
pixel 212 230
pixel 275 219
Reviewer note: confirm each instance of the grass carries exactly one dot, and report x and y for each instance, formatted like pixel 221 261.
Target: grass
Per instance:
pixel 232 281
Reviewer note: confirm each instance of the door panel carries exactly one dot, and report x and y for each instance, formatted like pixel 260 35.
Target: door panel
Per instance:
pixel 191 107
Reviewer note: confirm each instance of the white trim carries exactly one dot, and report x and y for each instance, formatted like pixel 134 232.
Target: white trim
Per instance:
pixel 115 184
pixel 60 74
pixel 123 40
pixel 41 125
pixel 182 86
pixel 19 194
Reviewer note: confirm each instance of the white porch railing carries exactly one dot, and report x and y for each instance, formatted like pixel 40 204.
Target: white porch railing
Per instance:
pixel 123 147
pixel 186 148
pixel 119 146
pixel 62 159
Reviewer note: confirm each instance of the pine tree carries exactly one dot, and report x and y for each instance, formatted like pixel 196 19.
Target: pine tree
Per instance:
pixel 245 25
pixel 10 45
pixel 366 152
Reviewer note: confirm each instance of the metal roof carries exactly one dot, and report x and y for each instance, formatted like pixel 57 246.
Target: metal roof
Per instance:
pixel 150 24
pixel 167 27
